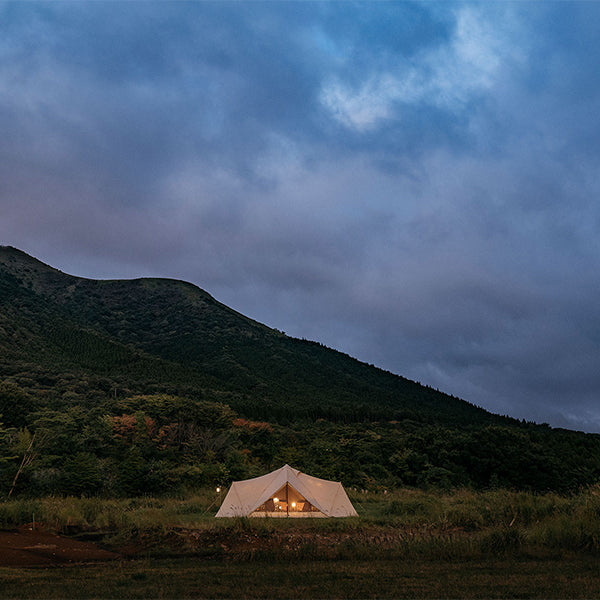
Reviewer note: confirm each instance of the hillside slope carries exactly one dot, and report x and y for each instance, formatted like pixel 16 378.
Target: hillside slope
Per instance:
pixel 153 386
pixel 172 336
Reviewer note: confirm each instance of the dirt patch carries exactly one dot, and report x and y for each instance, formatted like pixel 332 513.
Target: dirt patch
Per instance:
pixel 33 547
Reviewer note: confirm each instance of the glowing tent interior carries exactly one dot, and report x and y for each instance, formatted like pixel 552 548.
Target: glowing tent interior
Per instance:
pixel 286 492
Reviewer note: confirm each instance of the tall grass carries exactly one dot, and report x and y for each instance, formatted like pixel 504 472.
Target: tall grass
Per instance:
pixel 64 513
pixel 402 524
pixel 473 510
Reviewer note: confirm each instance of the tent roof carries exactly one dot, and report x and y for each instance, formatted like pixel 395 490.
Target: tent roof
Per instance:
pixel 244 497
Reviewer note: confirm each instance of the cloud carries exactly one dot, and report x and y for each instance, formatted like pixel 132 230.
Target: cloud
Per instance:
pixel 448 75
pixel 413 184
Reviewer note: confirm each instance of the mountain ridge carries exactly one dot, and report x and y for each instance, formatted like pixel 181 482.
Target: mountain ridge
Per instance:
pixel 177 322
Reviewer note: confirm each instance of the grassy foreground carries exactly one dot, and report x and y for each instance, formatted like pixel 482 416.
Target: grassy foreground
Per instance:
pixel 190 578
pixel 407 543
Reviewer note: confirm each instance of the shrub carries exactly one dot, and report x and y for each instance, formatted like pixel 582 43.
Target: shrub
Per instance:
pixel 500 541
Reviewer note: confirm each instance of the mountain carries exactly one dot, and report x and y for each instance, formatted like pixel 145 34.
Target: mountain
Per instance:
pixel 166 335
pixel 152 386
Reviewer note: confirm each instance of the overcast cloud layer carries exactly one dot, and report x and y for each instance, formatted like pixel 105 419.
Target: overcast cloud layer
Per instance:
pixel 413 184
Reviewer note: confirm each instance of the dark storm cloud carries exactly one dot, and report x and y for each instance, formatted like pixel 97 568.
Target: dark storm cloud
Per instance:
pixel 415 184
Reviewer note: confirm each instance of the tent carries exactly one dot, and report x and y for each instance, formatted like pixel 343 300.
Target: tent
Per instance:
pixel 286 492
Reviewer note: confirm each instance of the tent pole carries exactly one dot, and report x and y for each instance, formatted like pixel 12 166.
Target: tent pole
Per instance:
pixel 287 502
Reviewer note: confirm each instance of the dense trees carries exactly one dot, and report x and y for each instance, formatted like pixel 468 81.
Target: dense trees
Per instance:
pixel 15 404
pixel 159 443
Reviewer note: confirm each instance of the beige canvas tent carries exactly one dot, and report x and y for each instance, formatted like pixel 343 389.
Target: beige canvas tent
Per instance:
pixel 286 493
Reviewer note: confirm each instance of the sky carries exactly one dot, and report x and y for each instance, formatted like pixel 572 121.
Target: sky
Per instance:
pixel 414 184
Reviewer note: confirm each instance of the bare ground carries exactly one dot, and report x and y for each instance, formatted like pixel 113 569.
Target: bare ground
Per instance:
pixel 36 546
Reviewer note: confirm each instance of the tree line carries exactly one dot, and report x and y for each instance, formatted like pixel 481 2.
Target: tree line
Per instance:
pixel 165 444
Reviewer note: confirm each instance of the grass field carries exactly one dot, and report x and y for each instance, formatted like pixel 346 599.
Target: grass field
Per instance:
pixel 574 577
pixel 407 543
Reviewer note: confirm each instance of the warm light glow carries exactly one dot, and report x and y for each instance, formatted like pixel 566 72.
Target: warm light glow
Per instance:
pixel 276 500
pixel 218 490
pixel 293 505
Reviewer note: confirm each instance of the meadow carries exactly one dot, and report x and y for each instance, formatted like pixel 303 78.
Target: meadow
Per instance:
pixel 405 543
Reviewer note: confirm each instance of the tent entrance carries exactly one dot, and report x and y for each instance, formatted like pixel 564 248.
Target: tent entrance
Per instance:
pixel 287 502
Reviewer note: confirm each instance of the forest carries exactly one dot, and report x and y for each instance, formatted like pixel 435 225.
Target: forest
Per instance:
pixel 121 388
pixel 163 444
